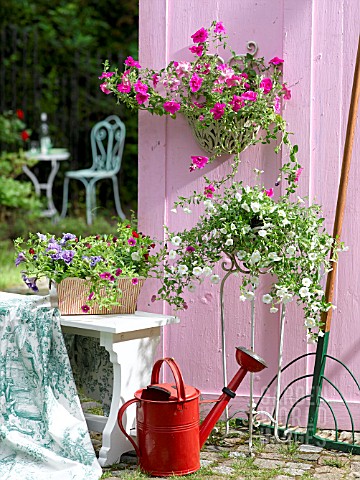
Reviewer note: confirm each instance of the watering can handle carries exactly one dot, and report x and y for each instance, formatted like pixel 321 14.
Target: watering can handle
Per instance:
pixel 179 381
pixel 120 415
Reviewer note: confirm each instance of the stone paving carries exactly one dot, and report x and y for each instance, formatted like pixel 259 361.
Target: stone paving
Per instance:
pixel 228 457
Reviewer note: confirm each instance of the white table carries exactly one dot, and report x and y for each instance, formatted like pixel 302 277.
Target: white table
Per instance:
pixel 53 157
pixel 131 341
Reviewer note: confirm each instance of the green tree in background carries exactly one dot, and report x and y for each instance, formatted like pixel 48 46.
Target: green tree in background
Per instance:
pixel 51 56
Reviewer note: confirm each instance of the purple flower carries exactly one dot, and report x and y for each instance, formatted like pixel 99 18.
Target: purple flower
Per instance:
pixel 66 237
pixel 190 249
pixel 54 249
pixel 172 106
pixel 30 282
pixel 118 272
pixel 95 260
pixel 67 256
pixel 153 298
pixel 41 237
pixel 132 241
pixel 20 258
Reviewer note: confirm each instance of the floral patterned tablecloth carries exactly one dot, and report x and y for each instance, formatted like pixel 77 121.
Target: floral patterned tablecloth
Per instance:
pixel 43 433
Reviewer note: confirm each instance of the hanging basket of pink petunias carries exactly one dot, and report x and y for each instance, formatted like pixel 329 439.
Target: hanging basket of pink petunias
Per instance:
pixel 229 104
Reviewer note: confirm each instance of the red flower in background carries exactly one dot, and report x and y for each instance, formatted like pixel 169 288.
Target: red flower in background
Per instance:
pixel 20 114
pixel 24 135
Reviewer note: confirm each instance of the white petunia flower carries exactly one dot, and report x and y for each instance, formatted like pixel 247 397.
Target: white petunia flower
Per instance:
pixel 321 333
pixel 229 242
pixel 267 298
pixel 225 207
pixel 241 254
pixel 197 271
pixel 309 323
pixel 281 213
pixel 215 279
pixel 207 271
pixel 274 257
pixel 191 287
pixel 287 298
pixel 254 280
pixel 303 292
pixel 262 233
pixel 172 254
pixel 247 189
pixel 187 210
pixel 174 210
pixel 176 241
pixel 245 229
pixel 291 250
pixel 285 222
pixel 208 204
pixel 255 257
pixel 223 230
pixel 310 339
pixel 300 200
pixel 250 295
pixel 312 256
pixel 245 206
pixel 182 269
pixel 135 256
pixel 233 227
pixel 273 310
pixel 306 282
pixel 255 207
pixel 238 196
pixel 242 298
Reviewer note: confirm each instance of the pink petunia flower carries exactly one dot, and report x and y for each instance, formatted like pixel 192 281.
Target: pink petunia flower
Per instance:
pixel 270 192
pixel 277 105
pixel 172 106
pixel 195 83
pixel 249 95
pixel 182 69
pixel 218 110
pixel 103 88
pixel 219 28
pixel 132 241
pixel 236 103
pixel 130 62
pixel 297 174
pixel 140 87
pixel 209 190
pixel 155 79
pixel 190 249
pixel 198 162
pixel 124 87
pixel 276 61
pixel 91 296
pixel 153 298
pixel 233 81
pixel 197 50
pixel 107 75
pixel 105 275
pixel 118 272
pixel 142 98
pixel 200 36
pixel 85 308
pixel 287 92
pixel 266 85
pixel 134 281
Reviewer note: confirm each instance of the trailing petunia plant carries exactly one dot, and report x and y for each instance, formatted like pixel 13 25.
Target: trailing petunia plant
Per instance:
pixel 100 259
pixel 229 104
pixel 257 235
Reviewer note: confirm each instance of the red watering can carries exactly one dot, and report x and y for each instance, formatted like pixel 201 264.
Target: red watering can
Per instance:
pixel 169 433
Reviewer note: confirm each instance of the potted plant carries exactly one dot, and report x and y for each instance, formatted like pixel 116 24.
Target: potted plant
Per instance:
pixel 95 274
pixel 230 104
pixel 256 234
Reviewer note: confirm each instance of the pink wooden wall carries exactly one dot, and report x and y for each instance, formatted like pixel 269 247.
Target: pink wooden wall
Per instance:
pixel 318 42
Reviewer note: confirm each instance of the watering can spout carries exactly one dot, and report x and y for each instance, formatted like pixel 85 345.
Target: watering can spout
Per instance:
pixel 249 362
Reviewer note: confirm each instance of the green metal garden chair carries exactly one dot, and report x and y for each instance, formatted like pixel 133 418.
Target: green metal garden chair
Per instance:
pixel 107 145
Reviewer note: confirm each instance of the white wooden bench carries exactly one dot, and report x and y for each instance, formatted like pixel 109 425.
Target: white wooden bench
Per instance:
pixel 131 341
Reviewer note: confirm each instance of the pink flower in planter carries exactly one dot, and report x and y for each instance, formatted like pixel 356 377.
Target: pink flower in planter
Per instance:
pixel 134 281
pixel 155 79
pixel 209 190
pixel 85 308
pixel 182 69
pixel 200 36
pixel 132 241
pixel 287 92
pixel 153 298
pixel 198 162
pixel 105 75
pixel 270 192
pixel 266 84
pixel 218 110
pixel 276 61
pixel 197 50
pixel 249 95
pixel 118 272
pixel 104 89
pixel 277 105
pixel 140 87
pixel 190 249
pixel 130 62
pixel 236 103
pixel 219 28
pixel 297 174
pixel 141 97
pixel 172 106
pixel 195 83
pixel 105 275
